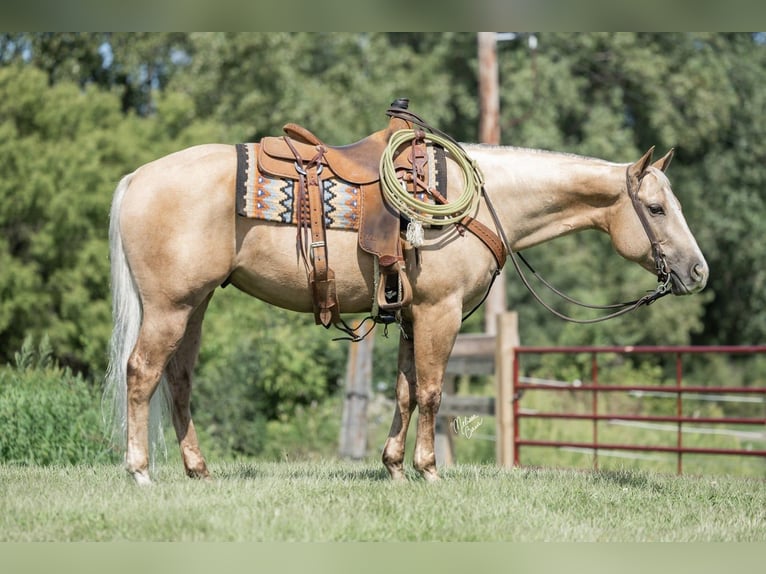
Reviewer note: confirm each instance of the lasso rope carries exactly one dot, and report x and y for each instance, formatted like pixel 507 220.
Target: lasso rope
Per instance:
pixel 421 211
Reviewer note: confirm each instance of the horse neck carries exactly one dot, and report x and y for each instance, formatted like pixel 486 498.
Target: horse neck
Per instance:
pixel 543 195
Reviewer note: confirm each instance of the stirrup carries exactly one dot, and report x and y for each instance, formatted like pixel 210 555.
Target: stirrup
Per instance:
pixel 393 294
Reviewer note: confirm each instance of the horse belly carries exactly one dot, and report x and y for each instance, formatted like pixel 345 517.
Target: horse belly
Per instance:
pixel 269 268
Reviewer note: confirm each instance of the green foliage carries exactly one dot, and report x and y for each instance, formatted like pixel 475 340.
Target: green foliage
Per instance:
pixel 260 364
pixel 48 416
pixel 337 84
pixel 77 111
pixel 310 434
pixel 62 151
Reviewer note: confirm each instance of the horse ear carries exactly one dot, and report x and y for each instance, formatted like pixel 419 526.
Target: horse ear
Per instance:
pixel 637 169
pixel 663 163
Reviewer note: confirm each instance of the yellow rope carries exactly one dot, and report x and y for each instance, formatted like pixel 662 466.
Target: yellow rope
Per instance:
pixel 413 208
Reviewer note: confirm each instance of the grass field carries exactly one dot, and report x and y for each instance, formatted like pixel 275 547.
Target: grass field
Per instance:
pixel 344 501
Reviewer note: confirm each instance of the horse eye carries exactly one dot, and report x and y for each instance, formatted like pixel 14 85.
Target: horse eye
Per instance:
pixel 656 209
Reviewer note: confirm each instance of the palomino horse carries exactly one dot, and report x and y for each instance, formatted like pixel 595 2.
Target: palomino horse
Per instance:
pixel 175 238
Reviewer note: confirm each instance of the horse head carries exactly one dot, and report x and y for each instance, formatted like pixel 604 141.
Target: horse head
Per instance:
pixel 650 229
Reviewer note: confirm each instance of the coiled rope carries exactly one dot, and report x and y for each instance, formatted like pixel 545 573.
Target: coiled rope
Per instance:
pixel 408 204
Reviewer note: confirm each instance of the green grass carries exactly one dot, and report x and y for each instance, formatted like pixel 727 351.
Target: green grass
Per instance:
pixel 481 448
pixel 344 501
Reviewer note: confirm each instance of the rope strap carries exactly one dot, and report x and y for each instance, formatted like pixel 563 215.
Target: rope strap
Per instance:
pixel 408 204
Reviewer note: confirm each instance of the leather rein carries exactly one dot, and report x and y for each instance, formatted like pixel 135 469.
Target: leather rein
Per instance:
pixel 660 262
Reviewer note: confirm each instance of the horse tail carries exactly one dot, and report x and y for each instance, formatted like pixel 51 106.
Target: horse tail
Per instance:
pixel 127 314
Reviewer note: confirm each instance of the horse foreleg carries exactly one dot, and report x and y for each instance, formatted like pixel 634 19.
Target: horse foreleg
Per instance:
pixel 393 451
pixel 158 339
pixel 435 332
pixel 179 372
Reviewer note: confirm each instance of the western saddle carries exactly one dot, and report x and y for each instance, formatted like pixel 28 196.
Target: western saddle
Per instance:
pixel 301 156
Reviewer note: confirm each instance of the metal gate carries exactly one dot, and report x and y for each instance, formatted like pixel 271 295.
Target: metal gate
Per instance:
pixel 678 392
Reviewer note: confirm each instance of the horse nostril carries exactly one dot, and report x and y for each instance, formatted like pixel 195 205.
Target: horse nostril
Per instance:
pixel 698 272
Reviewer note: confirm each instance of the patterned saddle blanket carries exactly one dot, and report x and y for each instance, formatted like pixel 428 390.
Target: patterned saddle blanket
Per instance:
pixel 269 197
pixel 273 198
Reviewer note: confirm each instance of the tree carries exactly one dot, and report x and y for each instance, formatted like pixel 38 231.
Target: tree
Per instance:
pixel 52 212
pixel 136 65
pixel 77 111
pixel 63 149
pixel 338 85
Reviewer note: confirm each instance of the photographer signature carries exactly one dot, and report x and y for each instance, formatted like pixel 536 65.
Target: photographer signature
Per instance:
pixel 467 425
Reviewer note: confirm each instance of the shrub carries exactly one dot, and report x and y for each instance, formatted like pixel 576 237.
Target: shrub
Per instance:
pixel 48 415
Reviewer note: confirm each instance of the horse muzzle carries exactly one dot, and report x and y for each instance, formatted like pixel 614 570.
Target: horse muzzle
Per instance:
pixel 691 282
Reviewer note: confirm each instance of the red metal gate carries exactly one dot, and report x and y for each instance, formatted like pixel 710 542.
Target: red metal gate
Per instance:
pixel 679 390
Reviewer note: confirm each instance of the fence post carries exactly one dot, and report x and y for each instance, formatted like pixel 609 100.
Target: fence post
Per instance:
pixel 353 430
pixel 507 339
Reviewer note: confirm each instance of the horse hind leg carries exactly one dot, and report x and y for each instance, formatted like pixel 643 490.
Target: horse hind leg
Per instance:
pixel 179 374
pixel 159 336
pixel 393 451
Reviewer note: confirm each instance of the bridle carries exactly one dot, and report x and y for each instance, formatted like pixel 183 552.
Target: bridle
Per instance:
pixel 662 268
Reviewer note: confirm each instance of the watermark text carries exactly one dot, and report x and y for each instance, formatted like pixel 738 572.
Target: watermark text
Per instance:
pixel 465 426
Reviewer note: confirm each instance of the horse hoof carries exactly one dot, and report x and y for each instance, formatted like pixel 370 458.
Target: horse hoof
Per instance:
pixel 141 478
pixel 203 475
pixel 397 473
pixel 431 476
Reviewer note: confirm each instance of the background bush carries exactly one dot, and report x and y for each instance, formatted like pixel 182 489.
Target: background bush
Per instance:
pixel 48 415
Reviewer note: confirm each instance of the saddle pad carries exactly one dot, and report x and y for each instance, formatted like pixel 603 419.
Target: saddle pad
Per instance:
pixel 272 198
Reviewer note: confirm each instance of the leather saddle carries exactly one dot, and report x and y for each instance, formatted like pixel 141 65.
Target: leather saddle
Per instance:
pixel 302 156
pixel 358 162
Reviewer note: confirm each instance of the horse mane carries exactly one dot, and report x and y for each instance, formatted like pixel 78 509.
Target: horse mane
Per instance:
pixel 537 151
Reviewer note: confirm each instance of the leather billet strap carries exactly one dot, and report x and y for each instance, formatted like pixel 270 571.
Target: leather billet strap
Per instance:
pixel 311 219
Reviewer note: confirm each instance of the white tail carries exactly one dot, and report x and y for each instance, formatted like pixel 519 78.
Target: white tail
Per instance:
pixel 126 316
